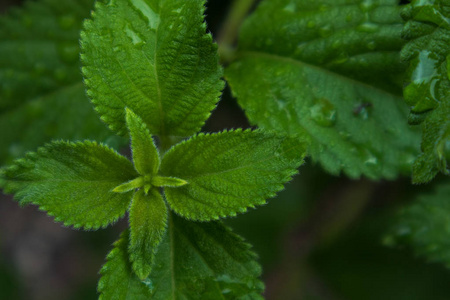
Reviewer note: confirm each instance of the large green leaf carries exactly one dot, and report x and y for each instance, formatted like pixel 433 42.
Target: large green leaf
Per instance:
pixel 154 57
pixel 229 171
pixel 329 70
pixel 425 226
pixel 148 220
pixel 41 93
pixel 204 261
pixel 72 182
pixel 118 281
pixel 428 85
pixel 145 154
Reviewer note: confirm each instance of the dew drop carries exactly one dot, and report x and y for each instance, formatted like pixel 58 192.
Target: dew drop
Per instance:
pixel 134 36
pixel 424 82
pixel 67 22
pixel 323 112
pixel 68 52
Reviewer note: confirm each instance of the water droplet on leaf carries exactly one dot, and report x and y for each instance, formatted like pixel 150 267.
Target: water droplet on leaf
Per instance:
pixel 323 113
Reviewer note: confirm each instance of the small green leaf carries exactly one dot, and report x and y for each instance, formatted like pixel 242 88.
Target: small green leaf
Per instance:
pixel 425 226
pixel 145 154
pixel 130 185
pixel 168 181
pixel 428 84
pixel 155 58
pixel 229 172
pixel 204 261
pixel 42 96
pixel 148 221
pixel 118 281
pixel 329 70
pixel 72 182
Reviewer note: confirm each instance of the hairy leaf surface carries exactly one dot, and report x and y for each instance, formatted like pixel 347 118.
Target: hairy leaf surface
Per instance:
pixel 145 155
pixel 148 220
pixel 204 261
pixel 118 281
pixel 229 171
pixel 428 86
pixel 41 93
pixel 329 70
pixel 425 225
pixel 154 57
pixel 72 182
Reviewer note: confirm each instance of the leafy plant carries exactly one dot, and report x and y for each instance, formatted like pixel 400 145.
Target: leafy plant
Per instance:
pixel 319 78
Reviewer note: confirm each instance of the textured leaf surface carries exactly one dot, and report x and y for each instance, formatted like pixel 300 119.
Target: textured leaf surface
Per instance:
pixel 204 261
pixel 41 93
pixel 145 155
pixel 329 70
pixel 228 172
pixel 425 225
pixel 154 57
pixel 72 182
pixel 118 281
pixel 428 85
pixel 148 220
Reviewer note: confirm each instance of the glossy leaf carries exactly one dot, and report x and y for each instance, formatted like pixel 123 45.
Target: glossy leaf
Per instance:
pixel 155 58
pixel 148 220
pixel 425 226
pixel 72 182
pixel 428 84
pixel 204 261
pixel 228 172
pixel 145 155
pixel 330 71
pixel 118 281
pixel 41 93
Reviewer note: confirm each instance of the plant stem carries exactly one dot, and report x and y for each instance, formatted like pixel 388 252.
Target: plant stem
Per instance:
pixel 228 34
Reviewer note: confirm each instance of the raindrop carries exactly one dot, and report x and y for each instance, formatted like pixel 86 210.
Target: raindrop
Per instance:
pixel 323 112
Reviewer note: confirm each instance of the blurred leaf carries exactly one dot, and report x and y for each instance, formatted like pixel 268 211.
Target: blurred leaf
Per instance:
pixel 41 94
pixel 329 70
pixel 428 85
pixel 425 226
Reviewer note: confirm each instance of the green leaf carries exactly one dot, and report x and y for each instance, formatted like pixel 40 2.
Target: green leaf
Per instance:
pixel 160 181
pixel 41 92
pixel 155 58
pixel 148 220
pixel 229 171
pixel 72 182
pixel 425 226
pixel 428 83
pixel 330 71
pixel 145 155
pixel 204 261
pixel 118 281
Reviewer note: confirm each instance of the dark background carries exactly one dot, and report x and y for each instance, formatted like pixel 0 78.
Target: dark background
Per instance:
pixel 321 239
